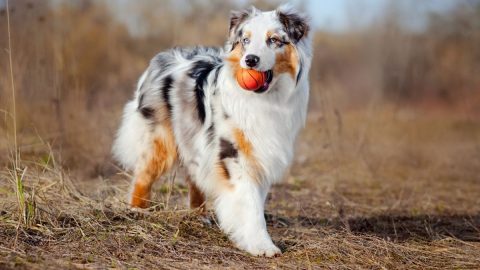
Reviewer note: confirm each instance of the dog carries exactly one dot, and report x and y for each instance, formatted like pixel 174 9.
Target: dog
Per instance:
pixel 189 110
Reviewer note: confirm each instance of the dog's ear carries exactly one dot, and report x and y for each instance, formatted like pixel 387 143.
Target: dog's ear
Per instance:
pixel 236 18
pixel 295 24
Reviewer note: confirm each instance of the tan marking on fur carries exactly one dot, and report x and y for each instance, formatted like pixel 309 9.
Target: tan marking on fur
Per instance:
pixel 271 34
pixel 223 170
pixel 140 196
pixel 245 147
pixel 234 58
pixel 223 175
pixel 287 61
pixel 161 159
pixel 236 55
pixel 197 198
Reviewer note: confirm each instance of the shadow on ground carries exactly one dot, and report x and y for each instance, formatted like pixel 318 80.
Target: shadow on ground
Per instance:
pixel 392 227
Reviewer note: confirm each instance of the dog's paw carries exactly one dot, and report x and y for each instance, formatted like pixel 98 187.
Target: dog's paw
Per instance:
pixel 265 248
pixel 265 251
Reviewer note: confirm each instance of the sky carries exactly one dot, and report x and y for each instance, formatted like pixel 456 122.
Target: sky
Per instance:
pixel 340 15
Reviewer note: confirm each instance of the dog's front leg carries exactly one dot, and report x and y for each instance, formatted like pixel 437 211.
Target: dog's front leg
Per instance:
pixel 240 211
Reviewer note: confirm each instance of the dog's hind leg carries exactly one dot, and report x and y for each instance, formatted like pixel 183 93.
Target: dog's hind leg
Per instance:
pixel 159 158
pixel 196 196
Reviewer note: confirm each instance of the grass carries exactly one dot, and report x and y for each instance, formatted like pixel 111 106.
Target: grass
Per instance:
pixel 400 194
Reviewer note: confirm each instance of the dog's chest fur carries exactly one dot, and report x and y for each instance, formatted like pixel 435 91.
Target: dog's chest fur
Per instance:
pixel 270 123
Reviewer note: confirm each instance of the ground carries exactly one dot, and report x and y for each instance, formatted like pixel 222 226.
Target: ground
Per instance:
pixel 389 189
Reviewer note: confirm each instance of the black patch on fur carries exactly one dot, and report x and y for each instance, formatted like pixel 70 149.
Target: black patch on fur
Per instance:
pixel 217 72
pixel 240 33
pixel 227 150
pixel 140 102
pixel 295 25
pixel 167 86
pixel 299 76
pixel 211 132
pixel 146 111
pixel 211 128
pixel 234 45
pixel 199 72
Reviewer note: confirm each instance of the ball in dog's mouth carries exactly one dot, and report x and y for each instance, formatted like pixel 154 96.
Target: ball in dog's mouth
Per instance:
pixel 266 84
pixel 253 80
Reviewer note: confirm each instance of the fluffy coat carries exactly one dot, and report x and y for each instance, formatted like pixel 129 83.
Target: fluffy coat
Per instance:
pixel 188 109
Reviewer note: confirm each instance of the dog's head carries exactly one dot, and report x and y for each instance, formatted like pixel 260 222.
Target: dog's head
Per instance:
pixel 267 41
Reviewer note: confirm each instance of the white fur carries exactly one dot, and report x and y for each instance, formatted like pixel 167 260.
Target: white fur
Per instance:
pixel 131 139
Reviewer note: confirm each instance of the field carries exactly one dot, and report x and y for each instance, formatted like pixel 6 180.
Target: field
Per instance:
pixel 386 174
pixel 398 190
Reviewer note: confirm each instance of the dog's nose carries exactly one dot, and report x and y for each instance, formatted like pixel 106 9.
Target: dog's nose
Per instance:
pixel 252 60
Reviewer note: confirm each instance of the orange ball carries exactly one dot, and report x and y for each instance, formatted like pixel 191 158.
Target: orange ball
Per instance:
pixel 250 79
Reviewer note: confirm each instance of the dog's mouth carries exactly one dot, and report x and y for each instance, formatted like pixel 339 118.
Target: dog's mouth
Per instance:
pixel 266 84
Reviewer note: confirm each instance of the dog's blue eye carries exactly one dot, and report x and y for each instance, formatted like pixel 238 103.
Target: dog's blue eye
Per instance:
pixel 273 40
pixel 246 40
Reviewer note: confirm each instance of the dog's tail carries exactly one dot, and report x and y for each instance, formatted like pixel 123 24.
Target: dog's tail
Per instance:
pixel 133 136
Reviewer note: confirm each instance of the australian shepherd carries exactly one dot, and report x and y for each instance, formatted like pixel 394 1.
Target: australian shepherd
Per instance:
pixel 189 109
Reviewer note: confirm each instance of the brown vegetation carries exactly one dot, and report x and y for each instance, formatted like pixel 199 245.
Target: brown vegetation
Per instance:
pixel 386 174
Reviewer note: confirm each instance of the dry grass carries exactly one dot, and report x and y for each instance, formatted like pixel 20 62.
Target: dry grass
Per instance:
pixel 384 191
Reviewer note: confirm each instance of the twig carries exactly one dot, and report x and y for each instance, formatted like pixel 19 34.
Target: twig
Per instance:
pixel 14 108
pixel 16 166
